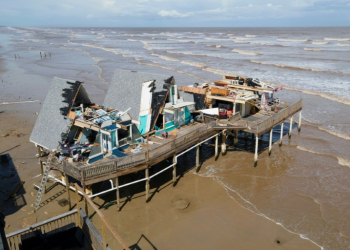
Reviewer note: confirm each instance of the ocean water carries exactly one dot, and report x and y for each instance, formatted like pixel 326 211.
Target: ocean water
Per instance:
pixel 304 185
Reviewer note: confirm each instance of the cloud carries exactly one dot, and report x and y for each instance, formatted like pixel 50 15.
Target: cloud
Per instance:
pixel 173 13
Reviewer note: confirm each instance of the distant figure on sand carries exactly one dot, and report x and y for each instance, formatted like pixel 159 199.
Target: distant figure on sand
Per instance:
pixel 15 56
pixel 41 55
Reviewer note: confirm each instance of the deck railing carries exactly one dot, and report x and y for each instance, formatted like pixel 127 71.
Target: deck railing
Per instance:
pixel 14 238
pixel 270 122
pixel 87 172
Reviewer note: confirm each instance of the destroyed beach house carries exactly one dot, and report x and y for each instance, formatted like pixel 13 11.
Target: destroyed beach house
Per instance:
pixel 145 119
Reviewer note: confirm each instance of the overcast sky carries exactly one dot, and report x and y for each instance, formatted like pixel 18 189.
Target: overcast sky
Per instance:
pixel 175 13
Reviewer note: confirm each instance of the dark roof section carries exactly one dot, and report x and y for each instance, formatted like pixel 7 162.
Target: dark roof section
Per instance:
pixel 125 90
pixel 52 124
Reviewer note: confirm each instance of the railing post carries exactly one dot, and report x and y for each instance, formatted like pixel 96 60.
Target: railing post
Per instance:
pixel 85 202
pixel 299 125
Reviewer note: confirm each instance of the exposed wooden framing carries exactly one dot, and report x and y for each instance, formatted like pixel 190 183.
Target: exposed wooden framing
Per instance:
pixel 105 221
pixel 83 124
pixel 226 99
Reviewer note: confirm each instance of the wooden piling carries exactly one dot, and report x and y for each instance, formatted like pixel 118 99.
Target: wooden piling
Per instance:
pixel 147 183
pixel 281 134
pixel 290 127
pixel 67 190
pixel 216 146
pixel 118 195
pixel 235 138
pixel 299 125
pixel 270 142
pixel 197 159
pixel 256 150
pixel 174 170
pixel 223 145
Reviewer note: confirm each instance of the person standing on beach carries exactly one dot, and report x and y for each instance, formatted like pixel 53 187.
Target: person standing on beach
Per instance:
pixel 41 55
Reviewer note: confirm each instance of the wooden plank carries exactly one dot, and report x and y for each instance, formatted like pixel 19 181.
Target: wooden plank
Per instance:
pixel 106 222
pixel 193 90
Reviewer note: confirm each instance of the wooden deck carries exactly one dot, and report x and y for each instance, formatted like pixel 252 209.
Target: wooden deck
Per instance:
pixel 262 122
pixel 160 150
pixel 179 140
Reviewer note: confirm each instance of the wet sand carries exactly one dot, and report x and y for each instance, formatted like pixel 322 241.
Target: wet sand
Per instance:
pixel 212 219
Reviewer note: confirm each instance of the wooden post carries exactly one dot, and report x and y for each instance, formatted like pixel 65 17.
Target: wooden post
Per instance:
pixel 197 159
pixel 118 196
pixel 223 145
pixel 270 142
pixel 256 150
pixel 290 127
pixel 78 206
pixel 104 234
pixel 41 165
pixel 67 190
pixel 281 134
pixel 299 125
pixel 235 138
pixel 216 146
pixel 147 159
pixel 85 202
pixel 174 170
pixel 147 183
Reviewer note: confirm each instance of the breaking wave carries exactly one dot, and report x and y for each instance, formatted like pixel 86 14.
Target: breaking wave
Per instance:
pixel 243 52
pixel 343 44
pixel 250 35
pixel 299 68
pixel 167 58
pixel 336 39
pixel 324 95
pixel 311 49
pixel 338 134
pixel 294 40
pixel 341 161
pixel 320 43
pixel 194 64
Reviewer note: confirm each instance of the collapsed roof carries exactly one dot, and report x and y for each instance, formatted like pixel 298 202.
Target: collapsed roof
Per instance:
pixel 125 91
pixel 53 123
